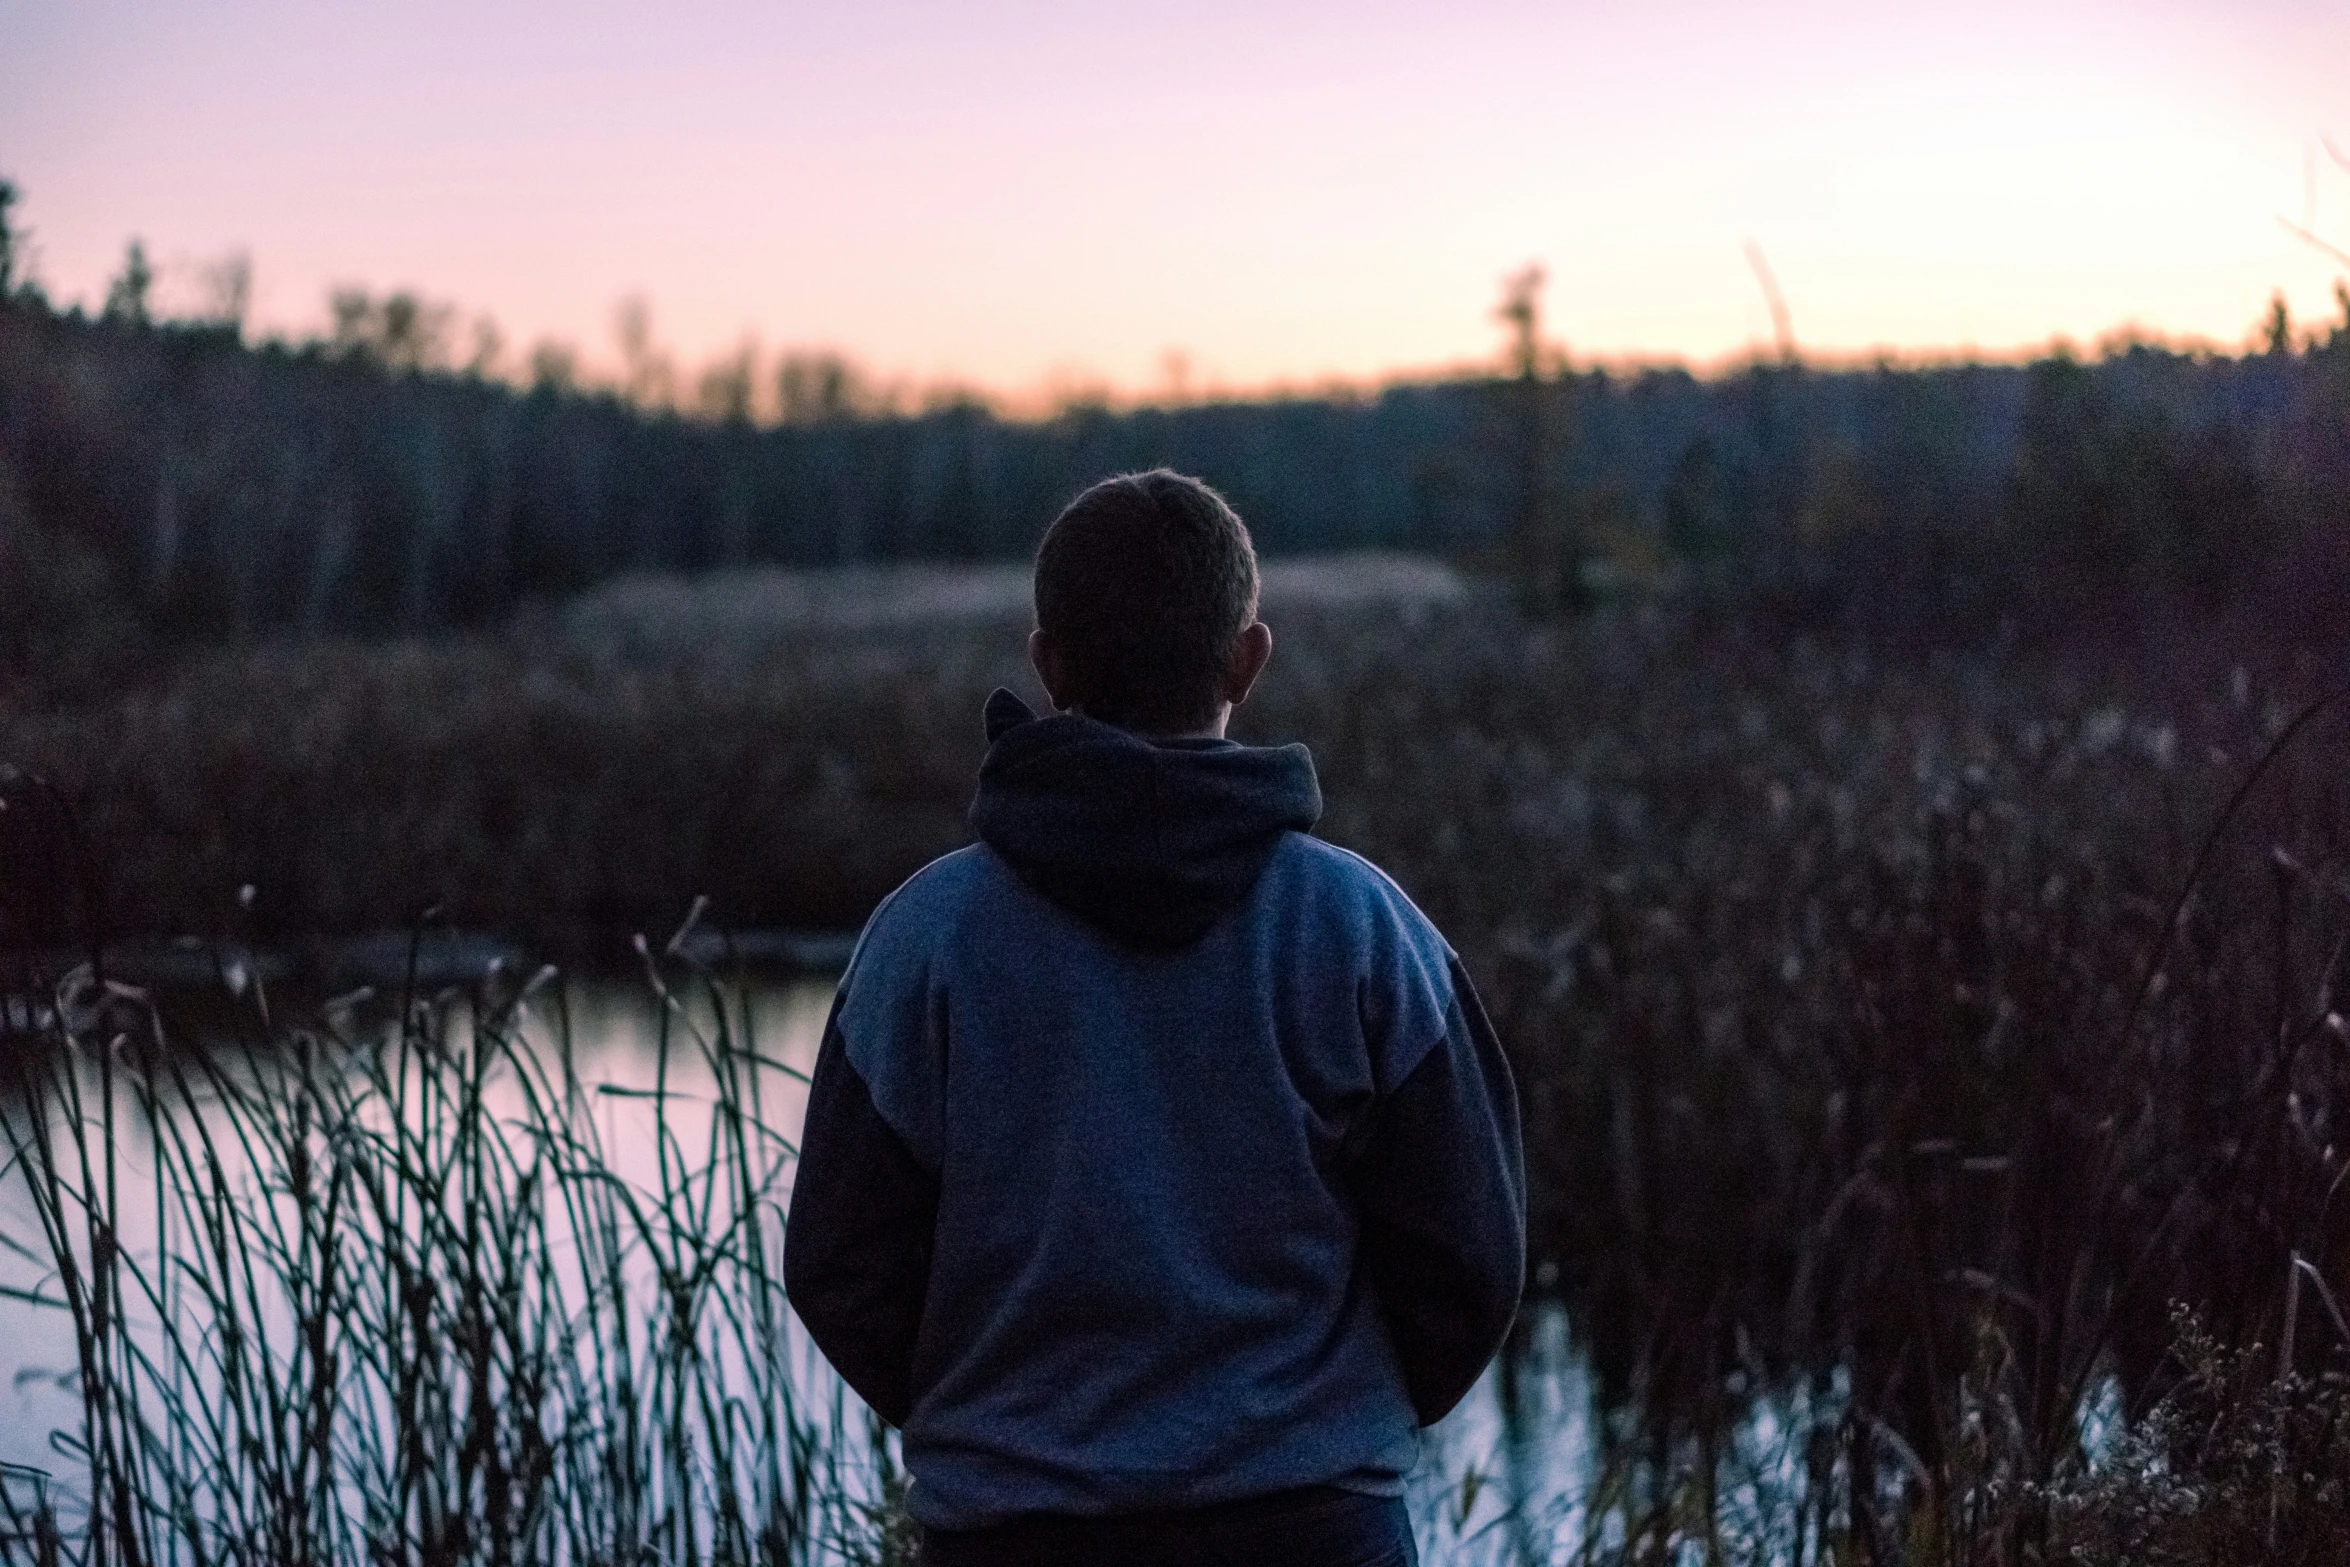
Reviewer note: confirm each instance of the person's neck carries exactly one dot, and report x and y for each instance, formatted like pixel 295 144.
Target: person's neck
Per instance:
pixel 1210 731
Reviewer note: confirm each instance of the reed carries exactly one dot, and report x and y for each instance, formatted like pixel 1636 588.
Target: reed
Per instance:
pixel 345 1294
pixel 419 1291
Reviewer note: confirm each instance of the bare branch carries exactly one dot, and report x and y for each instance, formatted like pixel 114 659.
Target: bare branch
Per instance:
pixel 2333 250
pixel 1782 322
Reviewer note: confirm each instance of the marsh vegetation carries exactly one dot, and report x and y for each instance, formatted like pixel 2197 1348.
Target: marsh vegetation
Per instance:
pixel 1905 1037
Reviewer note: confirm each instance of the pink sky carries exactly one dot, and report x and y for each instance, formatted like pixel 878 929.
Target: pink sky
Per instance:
pixel 1025 193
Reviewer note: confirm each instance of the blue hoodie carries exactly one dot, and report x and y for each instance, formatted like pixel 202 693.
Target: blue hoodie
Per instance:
pixel 1158 1154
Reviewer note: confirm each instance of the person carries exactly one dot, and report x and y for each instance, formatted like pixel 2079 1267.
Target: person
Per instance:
pixel 1161 1173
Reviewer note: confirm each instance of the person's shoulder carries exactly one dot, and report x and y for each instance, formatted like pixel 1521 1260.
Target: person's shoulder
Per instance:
pixel 1347 917
pixel 925 905
pixel 947 880
pixel 1339 882
pixel 1332 870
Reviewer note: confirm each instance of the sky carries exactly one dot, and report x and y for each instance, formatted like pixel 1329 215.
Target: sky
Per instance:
pixel 1034 197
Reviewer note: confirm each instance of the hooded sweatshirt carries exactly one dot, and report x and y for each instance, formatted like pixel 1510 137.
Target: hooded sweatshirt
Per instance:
pixel 1157 1154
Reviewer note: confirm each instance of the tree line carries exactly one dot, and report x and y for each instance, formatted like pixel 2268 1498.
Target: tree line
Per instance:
pixel 369 481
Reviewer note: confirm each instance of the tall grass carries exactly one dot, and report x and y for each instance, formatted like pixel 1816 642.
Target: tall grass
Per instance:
pixel 1891 1048
pixel 417 1292
pixel 1902 1035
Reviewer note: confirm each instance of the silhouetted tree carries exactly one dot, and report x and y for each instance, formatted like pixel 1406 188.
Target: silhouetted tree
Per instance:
pixel 2277 325
pixel 1546 549
pixel 228 293
pixel 819 388
pixel 489 349
pixel 399 331
pixel 724 392
pixel 126 296
pixel 554 368
pixel 11 241
pixel 648 378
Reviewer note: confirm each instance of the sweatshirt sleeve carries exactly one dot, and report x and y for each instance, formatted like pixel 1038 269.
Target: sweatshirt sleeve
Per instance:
pixel 1440 1186
pixel 857 1245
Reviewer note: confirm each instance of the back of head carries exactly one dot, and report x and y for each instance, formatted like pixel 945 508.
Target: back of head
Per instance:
pixel 1144 584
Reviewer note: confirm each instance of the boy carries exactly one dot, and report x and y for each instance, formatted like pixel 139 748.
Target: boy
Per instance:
pixel 1161 1172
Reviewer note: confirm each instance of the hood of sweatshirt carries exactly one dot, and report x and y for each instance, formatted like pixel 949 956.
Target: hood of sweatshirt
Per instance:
pixel 1151 841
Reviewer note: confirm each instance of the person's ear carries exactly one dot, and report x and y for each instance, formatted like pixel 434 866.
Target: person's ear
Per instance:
pixel 1052 671
pixel 1249 656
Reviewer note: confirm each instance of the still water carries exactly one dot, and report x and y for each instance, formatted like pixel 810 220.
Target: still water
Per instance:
pixel 1488 1489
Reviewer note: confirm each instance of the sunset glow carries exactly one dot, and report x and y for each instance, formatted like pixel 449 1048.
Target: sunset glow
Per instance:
pixel 1037 195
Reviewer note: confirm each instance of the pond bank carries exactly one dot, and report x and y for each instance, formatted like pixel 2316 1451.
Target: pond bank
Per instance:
pixel 423 959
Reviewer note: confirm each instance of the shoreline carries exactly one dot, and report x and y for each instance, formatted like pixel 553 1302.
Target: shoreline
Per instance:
pixel 427 959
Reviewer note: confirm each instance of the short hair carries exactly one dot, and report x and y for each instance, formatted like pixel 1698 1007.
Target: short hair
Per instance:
pixel 1144 584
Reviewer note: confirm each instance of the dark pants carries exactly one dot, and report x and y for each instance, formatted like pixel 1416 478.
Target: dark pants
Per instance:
pixel 1316 1526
